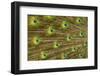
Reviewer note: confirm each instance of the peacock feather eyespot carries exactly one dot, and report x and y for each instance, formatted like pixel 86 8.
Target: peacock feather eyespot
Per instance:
pixel 64 25
pixel 56 44
pixel 36 40
pixel 50 30
pixel 44 55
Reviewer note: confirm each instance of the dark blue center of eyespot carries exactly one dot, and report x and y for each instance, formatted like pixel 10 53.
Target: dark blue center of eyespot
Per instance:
pixel 56 44
pixel 37 40
pixel 44 55
pixel 69 37
pixel 81 33
pixel 65 24
pixel 51 30
pixel 35 21
pixel 79 20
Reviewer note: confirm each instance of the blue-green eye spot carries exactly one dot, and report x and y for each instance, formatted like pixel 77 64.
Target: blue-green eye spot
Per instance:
pixel 56 44
pixel 79 20
pixel 68 38
pixel 65 25
pixel 35 21
pixel 36 40
pixel 50 30
pixel 44 55
pixel 81 34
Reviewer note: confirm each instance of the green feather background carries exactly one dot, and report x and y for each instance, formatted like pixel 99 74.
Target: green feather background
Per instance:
pixel 57 37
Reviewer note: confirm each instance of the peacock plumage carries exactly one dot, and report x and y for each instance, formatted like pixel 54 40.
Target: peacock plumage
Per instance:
pixel 57 37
